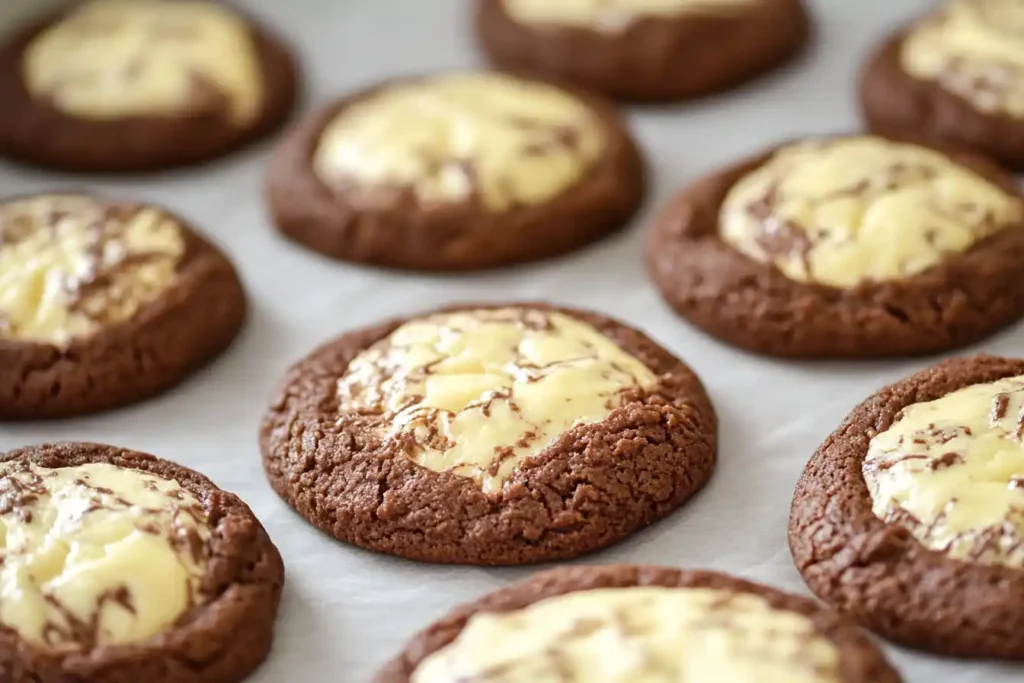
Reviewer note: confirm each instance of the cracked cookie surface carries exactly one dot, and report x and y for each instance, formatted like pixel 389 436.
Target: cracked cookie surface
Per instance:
pixel 117 566
pixel 910 516
pixel 456 171
pixel 104 303
pixel 489 435
pixel 636 623
pixel 845 247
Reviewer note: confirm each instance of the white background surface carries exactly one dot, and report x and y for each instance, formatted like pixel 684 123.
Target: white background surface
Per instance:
pixel 346 611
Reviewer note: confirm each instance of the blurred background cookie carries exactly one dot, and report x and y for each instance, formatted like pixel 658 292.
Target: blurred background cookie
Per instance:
pixel 456 171
pixel 138 85
pixel 104 303
pixel 955 76
pixel 489 435
pixel 643 50
pixel 848 247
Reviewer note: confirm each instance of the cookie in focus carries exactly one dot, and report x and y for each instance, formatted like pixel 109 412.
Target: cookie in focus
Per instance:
pixel 490 435
pixel 118 566
pixel 910 517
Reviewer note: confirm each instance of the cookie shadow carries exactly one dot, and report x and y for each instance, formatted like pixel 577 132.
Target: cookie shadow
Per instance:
pixel 302 636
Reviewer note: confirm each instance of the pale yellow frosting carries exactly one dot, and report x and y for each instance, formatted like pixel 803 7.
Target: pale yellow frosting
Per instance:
pixel 852 210
pixel 97 555
pixel 114 59
pixel 973 49
pixel 614 15
pixel 478 392
pixel 457 137
pixel 638 635
pixel 70 264
pixel 952 471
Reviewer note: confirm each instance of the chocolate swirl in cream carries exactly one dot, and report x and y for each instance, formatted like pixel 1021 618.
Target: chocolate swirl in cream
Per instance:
pixel 71 264
pixel 952 472
pixel 478 392
pixel 97 555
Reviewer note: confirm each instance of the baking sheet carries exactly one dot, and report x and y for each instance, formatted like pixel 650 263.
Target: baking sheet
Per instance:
pixel 346 611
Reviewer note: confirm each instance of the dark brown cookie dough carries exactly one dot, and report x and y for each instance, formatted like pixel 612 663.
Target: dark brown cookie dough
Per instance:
pixel 226 629
pixel 545 187
pixel 960 298
pixel 897 103
pixel 859 661
pixel 591 485
pixel 878 571
pixel 650 58
pixel 105 303
pixel 35 129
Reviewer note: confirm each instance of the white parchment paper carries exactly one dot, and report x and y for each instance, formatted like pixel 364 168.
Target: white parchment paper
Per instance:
pixel 346 611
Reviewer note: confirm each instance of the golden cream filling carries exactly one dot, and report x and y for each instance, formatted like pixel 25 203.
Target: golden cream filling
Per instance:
pixel 114 59
pixel 97 555
pixel 952 472
pixel 973 49
pixel 853 210
pixel 70 264
pixel 478 392
pixel 639 635
pixel 615 15
pixel 454 138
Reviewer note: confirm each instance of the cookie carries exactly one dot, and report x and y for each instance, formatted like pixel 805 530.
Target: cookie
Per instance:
pixel 630 623
pixel 456 171
pixel 118 566
pixel 140 85
pixel 910 517
pixel 845 247
pixel 954 77
pixel 104 303
pixel 489 434
pixel 643 50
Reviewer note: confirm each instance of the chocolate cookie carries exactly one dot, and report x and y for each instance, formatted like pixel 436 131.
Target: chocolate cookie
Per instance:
pixel 627 623
pixel 848 247
pixel 105 303
pixel 489 435
pixel 456 171
pixel 910 517
pixel 119 567
pixel 956 76
pixel 643 50
pixel 137 85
